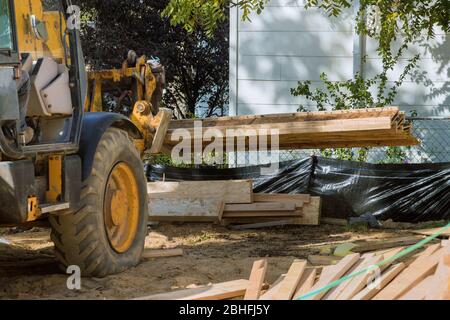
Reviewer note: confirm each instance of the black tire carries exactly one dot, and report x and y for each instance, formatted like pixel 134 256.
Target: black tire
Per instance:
pixel 81 238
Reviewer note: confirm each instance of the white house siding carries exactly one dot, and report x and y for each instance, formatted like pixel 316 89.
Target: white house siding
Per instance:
pixel 288 43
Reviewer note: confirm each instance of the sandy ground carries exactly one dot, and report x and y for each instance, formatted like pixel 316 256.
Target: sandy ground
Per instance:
pixel 212 254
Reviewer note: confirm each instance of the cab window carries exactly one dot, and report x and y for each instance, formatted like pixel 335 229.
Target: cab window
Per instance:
pixel 5 26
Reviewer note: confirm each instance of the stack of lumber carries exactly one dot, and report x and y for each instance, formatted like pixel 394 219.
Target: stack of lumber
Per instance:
pixel 229 202
pixel 425 276
pixel 306 130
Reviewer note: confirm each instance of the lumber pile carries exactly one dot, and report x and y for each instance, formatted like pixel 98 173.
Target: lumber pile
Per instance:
pixel 425 276
pixel 306 130
pixel 229 202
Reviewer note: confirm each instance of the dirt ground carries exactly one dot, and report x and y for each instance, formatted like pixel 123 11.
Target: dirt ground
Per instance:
pixel 211 254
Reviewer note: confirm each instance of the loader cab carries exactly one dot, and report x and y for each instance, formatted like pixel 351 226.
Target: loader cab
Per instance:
pixel 37 44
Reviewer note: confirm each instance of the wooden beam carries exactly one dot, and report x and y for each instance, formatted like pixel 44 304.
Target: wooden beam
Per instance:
pixel 268 295
pixel 358 283
pixel 410 277
pixel 440 285
pixel 368 246
pixel 369 292
pixel 288 117
pixel 260 207
pixel 162 122
pixel 229 191
pixel 291 281
pixel 306 283
pixel 333 273
pixel 262 225
pixel 278 197
pixel 195 210
pixel 312 212
pixel 256 280
pixel 323 260
pixel 263 214
pixel 152 253
pixel 218 291
pixel 418 292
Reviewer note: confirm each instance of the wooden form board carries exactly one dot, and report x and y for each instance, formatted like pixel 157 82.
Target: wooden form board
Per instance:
pixel 410 277
pixel 333 273
pixel 277 197
pixel 306 283
pixel 218 291
pixel 348 289
pixel 152 253
pixel 353 128
pixel 161 122
pixel 289 285
pixel 261 207
pixel 369 292
pixel 195 210
pixel 256 280
pixel 229 191
pixel 368 246
pixel 268 295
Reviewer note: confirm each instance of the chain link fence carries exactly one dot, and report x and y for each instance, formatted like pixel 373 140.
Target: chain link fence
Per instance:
pixel 434 134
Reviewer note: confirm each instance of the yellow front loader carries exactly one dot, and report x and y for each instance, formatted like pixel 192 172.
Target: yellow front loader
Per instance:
pixel 63 158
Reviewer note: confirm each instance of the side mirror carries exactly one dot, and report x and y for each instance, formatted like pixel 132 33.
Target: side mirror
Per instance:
pixel 39 28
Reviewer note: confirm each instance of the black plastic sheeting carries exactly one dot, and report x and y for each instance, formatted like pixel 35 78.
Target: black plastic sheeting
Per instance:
pixel 404 192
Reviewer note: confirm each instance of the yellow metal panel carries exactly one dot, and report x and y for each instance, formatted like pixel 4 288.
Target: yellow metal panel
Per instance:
pixel 53 195
pixel 33 209
pixel 28 42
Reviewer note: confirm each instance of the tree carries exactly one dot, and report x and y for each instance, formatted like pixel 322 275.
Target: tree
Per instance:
pixel 196 64
pixel 383 20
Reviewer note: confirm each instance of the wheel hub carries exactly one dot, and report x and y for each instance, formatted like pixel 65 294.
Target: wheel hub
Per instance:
pixel 121 208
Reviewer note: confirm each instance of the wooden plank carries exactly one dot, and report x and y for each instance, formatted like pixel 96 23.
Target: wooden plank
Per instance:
pixel 410 277
pixel 152 253
pixel 195 210
pixel 334 292
pixel 333 273
pixel 368 246
pixel 427 253
pixel 278 197
pixel 256 280
pixel 309 215
pixel 358 283
pixel 369 292
pixel 296 128
pixel 419 291
pixel 218 291
pixel 260 207
pixel 429 232
pixel 439 288
pixel 306 283
pixel 288 117
pixel 229 191
pixel 312 213
pixel 161 122
pixel 262 225
pixel 323 260
pixel 291 281
pixel 264 214
pixel 268 295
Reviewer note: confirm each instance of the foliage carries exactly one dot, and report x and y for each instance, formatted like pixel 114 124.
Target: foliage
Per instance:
pixel 208 14
pixel 196 64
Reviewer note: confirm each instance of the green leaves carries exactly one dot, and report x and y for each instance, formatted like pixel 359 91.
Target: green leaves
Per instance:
pixel 208 14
